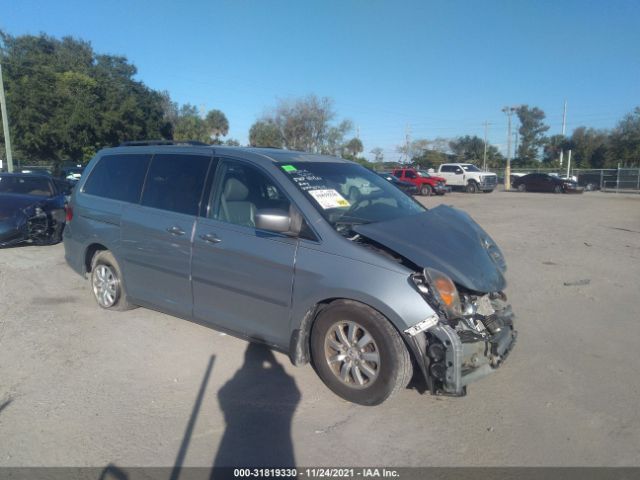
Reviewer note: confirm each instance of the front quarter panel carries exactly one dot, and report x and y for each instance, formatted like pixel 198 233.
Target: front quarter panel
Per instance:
pixel 322 276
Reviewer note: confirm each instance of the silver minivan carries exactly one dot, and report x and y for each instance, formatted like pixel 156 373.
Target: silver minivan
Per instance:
pixel 313 255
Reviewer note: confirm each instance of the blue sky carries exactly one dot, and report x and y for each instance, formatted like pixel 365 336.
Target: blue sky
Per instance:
pixel 438 68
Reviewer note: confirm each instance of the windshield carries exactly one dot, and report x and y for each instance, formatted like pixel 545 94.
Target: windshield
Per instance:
pixel 26 185
pixel 346 194
pixel 423 173
pixel 470 168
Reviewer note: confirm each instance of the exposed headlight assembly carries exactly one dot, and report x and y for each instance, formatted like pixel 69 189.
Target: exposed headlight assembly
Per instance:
pixel 438 286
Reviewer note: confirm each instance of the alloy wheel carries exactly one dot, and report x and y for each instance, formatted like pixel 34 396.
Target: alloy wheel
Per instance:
pixel 105 285
pixel 352 354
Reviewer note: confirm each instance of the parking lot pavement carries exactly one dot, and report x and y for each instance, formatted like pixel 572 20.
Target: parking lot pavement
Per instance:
pixel 83 386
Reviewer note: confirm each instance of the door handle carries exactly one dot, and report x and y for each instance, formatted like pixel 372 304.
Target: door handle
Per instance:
pixel 175 230
pixel 210 237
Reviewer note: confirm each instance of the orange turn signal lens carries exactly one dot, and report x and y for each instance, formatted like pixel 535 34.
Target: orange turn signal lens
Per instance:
pixel 447 290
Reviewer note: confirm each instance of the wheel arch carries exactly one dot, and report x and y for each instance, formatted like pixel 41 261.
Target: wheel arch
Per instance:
pixel 90 252
pixel 300 339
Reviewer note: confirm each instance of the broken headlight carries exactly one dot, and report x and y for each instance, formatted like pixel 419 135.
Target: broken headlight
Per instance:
pixel 437 286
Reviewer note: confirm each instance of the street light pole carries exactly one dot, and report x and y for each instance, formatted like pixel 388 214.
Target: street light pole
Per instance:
pixel 5 125
pixel 507 171
pixel 484 155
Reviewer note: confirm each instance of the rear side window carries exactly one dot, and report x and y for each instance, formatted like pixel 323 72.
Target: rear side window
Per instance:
pixel 118 177
pixel 175 182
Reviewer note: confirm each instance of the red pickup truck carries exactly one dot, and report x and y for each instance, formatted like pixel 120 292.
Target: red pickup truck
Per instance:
pixel 427 184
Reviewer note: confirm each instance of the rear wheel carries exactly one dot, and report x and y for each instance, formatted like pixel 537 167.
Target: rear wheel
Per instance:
pixel 358 354
pixel 426 190
pixel 522 187
pixel 106 282
pixel 472 187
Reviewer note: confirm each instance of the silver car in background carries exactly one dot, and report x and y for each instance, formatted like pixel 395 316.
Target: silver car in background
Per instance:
pixel 266 244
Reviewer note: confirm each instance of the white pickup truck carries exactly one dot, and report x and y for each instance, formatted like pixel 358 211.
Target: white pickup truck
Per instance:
pixel 468 177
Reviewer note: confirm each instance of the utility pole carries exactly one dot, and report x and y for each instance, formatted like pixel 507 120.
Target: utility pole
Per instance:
pixel 564 124
pixel 507 171
pixel 407 142
pixel 569 165
pixel 5 125
pixel 484 155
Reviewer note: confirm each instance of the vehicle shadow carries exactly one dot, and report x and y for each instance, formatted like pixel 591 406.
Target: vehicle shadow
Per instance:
pixel 258 405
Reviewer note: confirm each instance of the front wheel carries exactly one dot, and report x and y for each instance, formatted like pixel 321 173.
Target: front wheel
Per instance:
pixel 426 190
pixel 557 189
pixel 358 354
pixel 472 187
pixel 522 187
pixel 106 282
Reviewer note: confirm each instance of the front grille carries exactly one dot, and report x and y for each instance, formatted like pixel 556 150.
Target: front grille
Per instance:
pixel 490 180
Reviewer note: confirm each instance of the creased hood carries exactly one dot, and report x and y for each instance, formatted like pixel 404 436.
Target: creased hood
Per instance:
pixel 448 240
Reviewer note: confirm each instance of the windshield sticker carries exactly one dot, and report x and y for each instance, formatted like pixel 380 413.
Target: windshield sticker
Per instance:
pixel 308 181
pixel 289 168
pixel 329 199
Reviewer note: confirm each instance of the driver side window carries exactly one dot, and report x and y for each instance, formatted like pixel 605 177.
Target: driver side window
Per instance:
pixel 241 191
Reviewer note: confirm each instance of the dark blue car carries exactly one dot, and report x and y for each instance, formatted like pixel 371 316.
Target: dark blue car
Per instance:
pixel 32 209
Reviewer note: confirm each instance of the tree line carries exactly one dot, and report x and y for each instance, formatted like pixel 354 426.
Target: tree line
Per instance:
pixel 66 101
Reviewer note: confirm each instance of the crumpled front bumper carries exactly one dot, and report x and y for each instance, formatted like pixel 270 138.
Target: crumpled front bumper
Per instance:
pixel 12 231
pixel 450 360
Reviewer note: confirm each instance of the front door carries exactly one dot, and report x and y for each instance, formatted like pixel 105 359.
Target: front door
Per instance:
pixel 242 276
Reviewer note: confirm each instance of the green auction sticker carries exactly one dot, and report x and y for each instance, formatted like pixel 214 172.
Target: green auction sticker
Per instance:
pixel 289 168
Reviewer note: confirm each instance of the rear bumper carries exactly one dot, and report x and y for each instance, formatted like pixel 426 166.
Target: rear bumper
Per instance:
pixel 450 361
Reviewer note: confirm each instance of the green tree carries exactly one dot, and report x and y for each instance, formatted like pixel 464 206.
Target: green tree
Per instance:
pixel 589 148
pixel 265 134
pixel 217 124
pixel 305 124
pixel 378 154
pixel 65 101
pixel 625 141
pixel 353 147
pixel 190 125
pixel 468 149
pixel 532 133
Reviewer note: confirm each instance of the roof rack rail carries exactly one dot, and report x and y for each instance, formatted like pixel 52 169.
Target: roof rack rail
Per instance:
pixel 144 143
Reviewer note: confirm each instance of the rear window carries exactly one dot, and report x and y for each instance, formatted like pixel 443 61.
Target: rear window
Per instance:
pixel 175 182
pixel 26 185
pixel 118 177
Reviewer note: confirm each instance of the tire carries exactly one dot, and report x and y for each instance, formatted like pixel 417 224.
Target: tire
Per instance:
pixel 472 187
pixel 357 377
pixel 522 187
pixel 557 189
pixel 426 190
pixel 106 283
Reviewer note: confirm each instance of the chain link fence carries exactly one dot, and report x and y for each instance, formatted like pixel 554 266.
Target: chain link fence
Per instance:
pixel 605 179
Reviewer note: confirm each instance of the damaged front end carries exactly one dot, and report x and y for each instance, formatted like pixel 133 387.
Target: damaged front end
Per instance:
pixel 29 225
pixel 459 271
pixel 468 342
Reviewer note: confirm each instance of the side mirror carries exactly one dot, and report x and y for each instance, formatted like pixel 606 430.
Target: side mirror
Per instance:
pixel 273 220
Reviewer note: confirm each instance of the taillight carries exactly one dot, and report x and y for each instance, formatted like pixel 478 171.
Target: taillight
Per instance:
pixel 69 211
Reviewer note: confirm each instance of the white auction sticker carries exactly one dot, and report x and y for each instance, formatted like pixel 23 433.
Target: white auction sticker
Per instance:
pixel 329 198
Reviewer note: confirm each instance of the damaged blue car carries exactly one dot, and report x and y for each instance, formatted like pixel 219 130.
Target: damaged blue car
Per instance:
pixel 32 209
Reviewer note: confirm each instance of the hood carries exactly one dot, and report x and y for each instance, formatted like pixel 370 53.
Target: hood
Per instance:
pixel 10 203
pixel 448 240
pixel 438 179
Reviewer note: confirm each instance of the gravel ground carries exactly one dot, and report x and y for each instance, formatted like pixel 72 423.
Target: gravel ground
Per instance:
pixel 80 386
